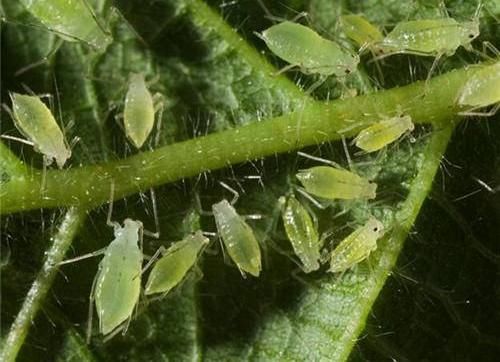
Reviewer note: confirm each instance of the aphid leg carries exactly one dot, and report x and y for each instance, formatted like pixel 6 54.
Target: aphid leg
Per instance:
pixel 433 68
pixel 493 49
pixel 84 256
pixel 316 84
pixel 110 223
pixel 155 234
pixel 486 186
pixel 57 44
pixel 159 106
pixel 472 112
pixel 46 162
pixel 235 193
pixel 315 202
pixel 319 159
pixel 91 308
pixel 285 69
pixel 116 11
pixel 17 139
pixel 160 252
pixel 346 151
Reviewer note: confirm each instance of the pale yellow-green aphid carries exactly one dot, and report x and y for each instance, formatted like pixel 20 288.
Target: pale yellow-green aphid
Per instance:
pixel 382 133
pixel 72 20
pixel 36 122
pixel 357 246
pixel 118 282
pixel 302 47
pixel 360 30
pixel 139 113
pixel 301 232
pixel 336 183
pixel 175 263
pixel 238 238
pixel 481 90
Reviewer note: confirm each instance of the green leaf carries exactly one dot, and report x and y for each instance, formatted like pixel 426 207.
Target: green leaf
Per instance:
pixel 228 117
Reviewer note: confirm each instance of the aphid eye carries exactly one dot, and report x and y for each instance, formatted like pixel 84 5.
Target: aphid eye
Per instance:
pixel 375 229
pixel 471 36
pixel 347 71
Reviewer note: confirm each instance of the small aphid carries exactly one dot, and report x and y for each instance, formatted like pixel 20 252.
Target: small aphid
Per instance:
pixel 238 238
pixel 429 37
pixel 72 20
pixel 118 282
pixel 36 122
pixel 360 30
pixel 382 133
pixel 336 183
pixel 139 113
pixel 481 90
pixel 301 232
pixel 304 48
pixel 175 263
pixel 357 246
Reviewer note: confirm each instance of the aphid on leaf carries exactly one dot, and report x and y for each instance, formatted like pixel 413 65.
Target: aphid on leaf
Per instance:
pixel 357 246
pixel 175 263
pixel 72 20
pixel 301 232
pixel 238 238
pixel 481 90
pixel 384 132
pixel 140 109
pixel 302 47
pixel 36 122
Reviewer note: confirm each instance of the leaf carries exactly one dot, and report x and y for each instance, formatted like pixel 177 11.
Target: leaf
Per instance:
pixel 215 82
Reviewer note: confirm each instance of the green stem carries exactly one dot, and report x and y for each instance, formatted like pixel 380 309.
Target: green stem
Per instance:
pixel 34 299
pixel 316 122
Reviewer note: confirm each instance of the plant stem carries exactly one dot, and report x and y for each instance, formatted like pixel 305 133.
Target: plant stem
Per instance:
pixel 316 122
pixel 34 299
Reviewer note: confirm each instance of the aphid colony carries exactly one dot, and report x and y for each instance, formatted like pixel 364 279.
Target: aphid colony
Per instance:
pixel 117 284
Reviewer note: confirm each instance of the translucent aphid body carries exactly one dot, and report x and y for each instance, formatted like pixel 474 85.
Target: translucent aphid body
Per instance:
pixel 382 133
pixel 72 20
pixel 301 232
pixel 357 246
pixel 118 282
pixel 360 30
pixel 432 37
pixel 335 183
pixel 139 113
pixel 175 263
pixel 36 122
pixel 303 47
pixel 482 89
pixel 238 238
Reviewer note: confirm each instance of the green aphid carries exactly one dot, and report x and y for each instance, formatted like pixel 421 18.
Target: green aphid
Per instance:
pixel 429 37
pixel 380 134
pixel 357 246
pixel 36 122
pixel 175 263
pixel 335 183
pixel 481 90
pixel 238 238
pixel 302 47
pixel 360 30
pixel 301 232
pixel 72 20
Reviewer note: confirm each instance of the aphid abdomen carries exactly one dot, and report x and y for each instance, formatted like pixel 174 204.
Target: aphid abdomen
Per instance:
pixel 36 122
pixel 171 269
pixel 139 113
pixel 238 238
pixel 302 234
pixel 118 282
pixel 332 183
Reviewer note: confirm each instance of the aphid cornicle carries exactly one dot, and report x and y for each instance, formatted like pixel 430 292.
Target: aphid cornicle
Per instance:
pixel 139 112
pixel 382 133
pixel 175 263
pixel 118 283
pixel 335 183
pixel 357 246
pixel 72 20
pixel 481 90
pixel 36 122
pixel 304 48
pixel 360 30
pixel 301 232
pixel 238 238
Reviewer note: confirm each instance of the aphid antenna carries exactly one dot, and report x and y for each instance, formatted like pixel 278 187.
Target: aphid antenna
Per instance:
pixel 235 193
pixel 115 10
pixel 319 159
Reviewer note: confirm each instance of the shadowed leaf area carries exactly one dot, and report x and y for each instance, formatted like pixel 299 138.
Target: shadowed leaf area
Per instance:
pixel 431 290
